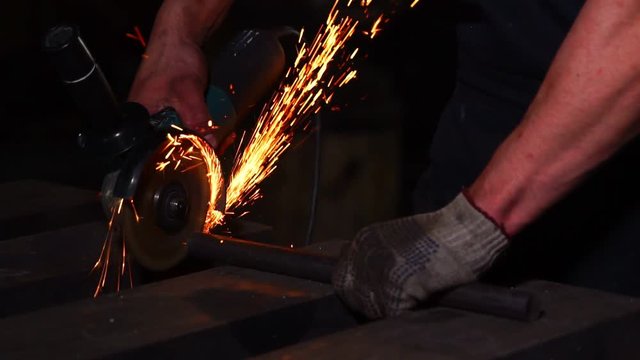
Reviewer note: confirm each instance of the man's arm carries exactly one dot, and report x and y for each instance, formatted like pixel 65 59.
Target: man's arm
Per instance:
pixel 188 20
pixel 174 72
pixel 587 108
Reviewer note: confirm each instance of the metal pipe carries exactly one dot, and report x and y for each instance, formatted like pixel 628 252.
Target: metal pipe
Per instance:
pixel 492 300
pixel 476 297
pixel 264 257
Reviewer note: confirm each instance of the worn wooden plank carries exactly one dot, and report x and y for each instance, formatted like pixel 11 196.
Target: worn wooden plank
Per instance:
pixel 578 324
pixel 222 312
pixel 32 206
pixel 48 268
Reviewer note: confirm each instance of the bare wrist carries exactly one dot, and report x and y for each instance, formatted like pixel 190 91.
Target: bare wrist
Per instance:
pixel 495 205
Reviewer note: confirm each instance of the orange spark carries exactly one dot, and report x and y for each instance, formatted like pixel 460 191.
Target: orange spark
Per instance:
pixel 137 36
pixel 170 151
pixel 135 211
pixel 375 29
pixel 162 165
pixel 414 3
pixel 350 76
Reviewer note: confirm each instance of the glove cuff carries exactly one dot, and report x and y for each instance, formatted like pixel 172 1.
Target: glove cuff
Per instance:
pixel 491 218
pixel 474 237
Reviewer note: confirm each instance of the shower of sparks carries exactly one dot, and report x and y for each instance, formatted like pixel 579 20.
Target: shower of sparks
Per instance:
pixel 320 67
pixel 104 259
pixel 185 152
pixel 308 85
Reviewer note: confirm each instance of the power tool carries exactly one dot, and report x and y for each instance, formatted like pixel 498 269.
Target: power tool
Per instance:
pixel 169 205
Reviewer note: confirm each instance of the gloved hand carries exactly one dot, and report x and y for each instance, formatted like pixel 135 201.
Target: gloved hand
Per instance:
pixel 392 266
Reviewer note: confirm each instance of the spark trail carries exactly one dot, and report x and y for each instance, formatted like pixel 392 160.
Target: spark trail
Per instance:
pixel 103 262
pixel 322 66
pixel 185 152
pixel 309 84
pixel 182 152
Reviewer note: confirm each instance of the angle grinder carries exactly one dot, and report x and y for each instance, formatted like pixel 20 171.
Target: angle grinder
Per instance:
pixel 168 206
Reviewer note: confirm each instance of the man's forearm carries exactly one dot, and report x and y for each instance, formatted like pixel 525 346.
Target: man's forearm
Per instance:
pixel 586 109
pixel 188 20
pixel 174 72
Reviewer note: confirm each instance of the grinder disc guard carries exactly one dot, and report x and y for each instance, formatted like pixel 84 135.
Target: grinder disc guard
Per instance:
pixel 168 207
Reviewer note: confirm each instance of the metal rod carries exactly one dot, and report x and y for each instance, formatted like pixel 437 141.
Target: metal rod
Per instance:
pixel 476 297
pixel 492 300
pixel 264 257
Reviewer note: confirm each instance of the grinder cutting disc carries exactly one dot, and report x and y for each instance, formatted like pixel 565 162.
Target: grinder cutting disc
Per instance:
pixel 168 207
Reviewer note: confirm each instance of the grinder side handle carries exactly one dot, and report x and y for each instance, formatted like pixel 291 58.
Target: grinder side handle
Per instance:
pixel 82 77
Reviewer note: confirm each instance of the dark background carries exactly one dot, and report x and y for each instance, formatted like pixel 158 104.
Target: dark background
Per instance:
pixel 372 150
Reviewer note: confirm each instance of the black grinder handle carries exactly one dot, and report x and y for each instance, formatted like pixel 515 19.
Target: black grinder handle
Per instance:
pixel 83 77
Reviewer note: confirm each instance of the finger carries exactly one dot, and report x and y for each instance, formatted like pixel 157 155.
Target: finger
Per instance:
pixel 148 93
pixel 212 140
pixel 153 104
pixel 191 105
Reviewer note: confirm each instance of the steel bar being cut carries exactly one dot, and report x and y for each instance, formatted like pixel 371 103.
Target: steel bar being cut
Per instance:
pixel 477 297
